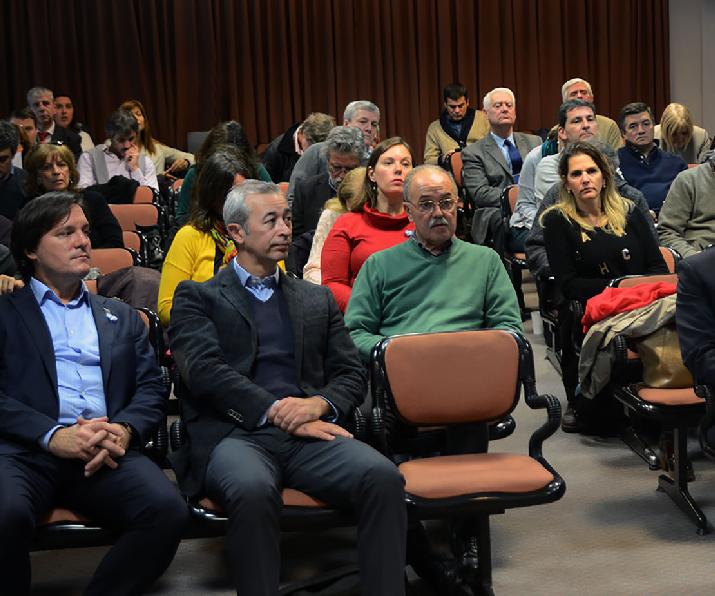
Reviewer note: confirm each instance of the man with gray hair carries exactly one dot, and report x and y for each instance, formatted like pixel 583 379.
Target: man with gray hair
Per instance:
pixel 493 163
pixel 344 149
pixel 608 130
pixel 272 375
pixel 283 152
pixel 118 157
pixel 361 114
pixel 42 102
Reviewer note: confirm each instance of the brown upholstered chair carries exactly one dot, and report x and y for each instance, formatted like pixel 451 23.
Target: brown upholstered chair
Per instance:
pixel 465 207
pixel 111 259
pixel 454 379
pixel 515 261
pixel 143 219
pixel 144 194
pixel 64 528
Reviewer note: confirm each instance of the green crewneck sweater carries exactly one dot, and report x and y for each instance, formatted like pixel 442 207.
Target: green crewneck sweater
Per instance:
pixel 404 289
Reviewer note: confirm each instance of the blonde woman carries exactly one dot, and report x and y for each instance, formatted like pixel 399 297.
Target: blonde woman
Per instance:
pixel 680 136
pixel 349 193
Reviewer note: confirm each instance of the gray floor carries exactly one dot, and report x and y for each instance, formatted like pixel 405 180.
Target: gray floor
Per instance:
pixel 612 534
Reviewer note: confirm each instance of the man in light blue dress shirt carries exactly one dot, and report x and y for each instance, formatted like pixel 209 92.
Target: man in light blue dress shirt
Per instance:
pixel 79 390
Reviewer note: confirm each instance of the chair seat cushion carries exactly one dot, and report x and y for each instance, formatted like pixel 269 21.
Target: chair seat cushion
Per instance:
pixel 60 514
pixel 457 475
pixel 291 498
pixel 670 397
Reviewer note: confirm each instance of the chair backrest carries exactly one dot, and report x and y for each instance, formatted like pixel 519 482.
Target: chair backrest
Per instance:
pixel 195 139
pixel 284 188
pixel 513 196
pixel 448 378
pixel 670 257
pixel 111 259
pixel 131 216
pixel 636 280
pixel 144 194
pixel 91 285
pixel 132 240
pixel 457 165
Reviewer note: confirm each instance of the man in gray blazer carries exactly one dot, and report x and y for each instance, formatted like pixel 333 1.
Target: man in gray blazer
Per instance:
pixel 272 374
pixel 494 162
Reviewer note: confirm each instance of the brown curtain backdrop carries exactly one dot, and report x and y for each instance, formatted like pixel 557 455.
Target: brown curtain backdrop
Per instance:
pixel 267 63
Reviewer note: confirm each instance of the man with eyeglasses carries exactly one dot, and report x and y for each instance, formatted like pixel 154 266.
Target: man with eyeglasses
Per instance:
pixel 643 164
pixel 433 282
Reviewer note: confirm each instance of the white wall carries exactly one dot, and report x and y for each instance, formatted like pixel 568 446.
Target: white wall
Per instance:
pixel 692 58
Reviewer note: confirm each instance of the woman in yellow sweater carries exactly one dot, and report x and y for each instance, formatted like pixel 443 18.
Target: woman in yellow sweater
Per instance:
pixel 202 246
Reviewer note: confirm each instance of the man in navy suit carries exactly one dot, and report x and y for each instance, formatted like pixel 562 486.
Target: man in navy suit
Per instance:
pixel 272 374
pixel 79 389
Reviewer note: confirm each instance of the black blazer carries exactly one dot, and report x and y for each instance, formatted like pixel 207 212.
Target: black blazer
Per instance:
pixel 214 342
pixel 69 138
pixel 28 375
pixel 310 196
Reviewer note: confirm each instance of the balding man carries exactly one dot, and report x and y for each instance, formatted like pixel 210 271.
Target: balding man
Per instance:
pixel 608 130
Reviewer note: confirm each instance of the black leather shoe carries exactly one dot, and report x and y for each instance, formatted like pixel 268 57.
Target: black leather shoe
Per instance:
pixel 570 422
pixel 442 576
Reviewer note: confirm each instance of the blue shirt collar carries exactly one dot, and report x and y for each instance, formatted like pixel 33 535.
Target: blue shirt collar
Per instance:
pixel 243 275
pixel 500 142
pixel 43 293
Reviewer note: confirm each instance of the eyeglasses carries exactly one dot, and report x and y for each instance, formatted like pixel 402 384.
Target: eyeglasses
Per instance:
pixel 445 205
pixel 335 170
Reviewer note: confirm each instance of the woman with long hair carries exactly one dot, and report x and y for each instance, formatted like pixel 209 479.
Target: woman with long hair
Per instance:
pixel 679 135
pixel 203 246
pixel 167 160
pixel 376 222
pixel 592 235
pixel 225 133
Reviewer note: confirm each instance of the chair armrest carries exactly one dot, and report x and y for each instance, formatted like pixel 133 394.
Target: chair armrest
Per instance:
pixel 553 420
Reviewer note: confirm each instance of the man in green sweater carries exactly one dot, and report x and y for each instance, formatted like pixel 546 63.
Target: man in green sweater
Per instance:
pixel 433 281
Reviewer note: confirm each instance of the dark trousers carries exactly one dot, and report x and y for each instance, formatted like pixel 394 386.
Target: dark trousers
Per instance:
pixel 246 473
pixel 136 499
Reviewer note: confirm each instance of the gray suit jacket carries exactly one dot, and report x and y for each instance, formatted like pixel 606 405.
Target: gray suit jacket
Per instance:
pixel 486 173
pixel 214 341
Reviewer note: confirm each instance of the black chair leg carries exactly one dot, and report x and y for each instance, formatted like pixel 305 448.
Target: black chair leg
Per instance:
pixel 641 448
pixel 483 587
pixel 677 487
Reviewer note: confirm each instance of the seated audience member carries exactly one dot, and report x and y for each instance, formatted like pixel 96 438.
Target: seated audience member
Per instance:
pixel 577 122
pixel 380 221
pixel 118 157
pixel 167 161
pixel 360 114
pixel 687 219
pixel 283 152
pixel 608 130
pixel 203 246
pixel 592 235
pixel 535 249
pixel 26 122
pixel 42 102
pixel 344 148
pixel 434 281
pixel 695 321
pixel 225 133
pixel 458 126
pixel 645 166
pixel 71 436
pixel 12 178
pixel 493 163
pixel 264 412
pixel 64 116
pixel 349 193
pixel 51 168
pixel 677 134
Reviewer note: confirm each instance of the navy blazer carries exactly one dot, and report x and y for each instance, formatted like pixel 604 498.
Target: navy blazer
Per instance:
pixel 70 138
pixel 29 401
pixel 214 342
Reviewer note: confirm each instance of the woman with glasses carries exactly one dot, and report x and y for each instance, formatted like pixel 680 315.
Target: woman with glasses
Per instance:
pixel 376 222
pixel 52 167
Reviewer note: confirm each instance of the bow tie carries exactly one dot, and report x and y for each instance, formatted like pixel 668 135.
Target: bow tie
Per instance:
pixel 261 283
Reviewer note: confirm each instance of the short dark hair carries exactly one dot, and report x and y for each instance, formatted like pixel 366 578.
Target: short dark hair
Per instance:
pixel 121 123
pixel 9 137
pixel 631 109
pixel 33 221
pixel 24 114
pixel 571 104
pixel 455 91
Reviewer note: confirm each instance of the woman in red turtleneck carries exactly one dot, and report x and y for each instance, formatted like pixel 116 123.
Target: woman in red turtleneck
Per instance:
pixel 378 222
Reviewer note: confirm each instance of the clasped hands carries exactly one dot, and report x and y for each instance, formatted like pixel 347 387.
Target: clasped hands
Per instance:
pixel 96 441
pixel 300 416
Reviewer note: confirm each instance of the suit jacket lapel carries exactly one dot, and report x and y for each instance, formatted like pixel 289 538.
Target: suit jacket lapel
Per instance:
pixel 493 149
pixel 521 145
pixel 106 323
pixel 294 299
pixel 31 314
pixel 236 294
